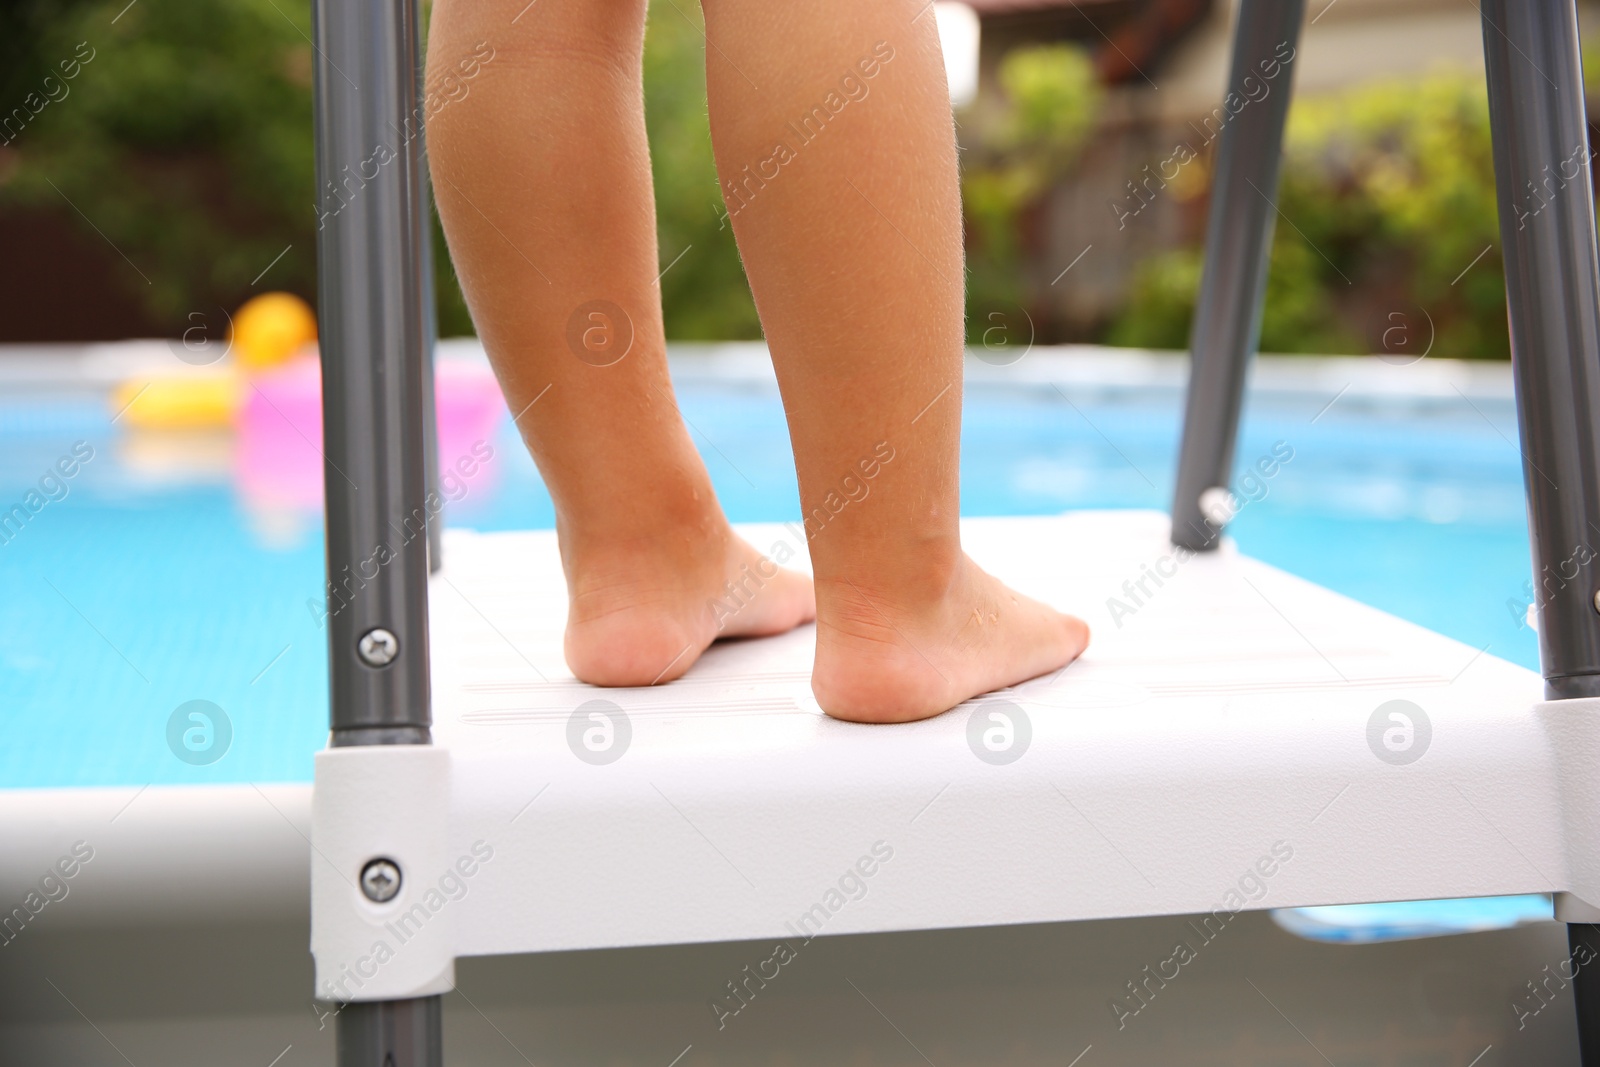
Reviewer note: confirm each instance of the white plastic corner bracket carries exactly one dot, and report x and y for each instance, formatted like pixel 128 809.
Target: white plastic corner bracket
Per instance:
pixel 1573 727
pixel 390 802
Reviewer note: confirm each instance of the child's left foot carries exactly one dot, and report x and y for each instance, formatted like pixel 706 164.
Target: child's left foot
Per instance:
pixel 642 611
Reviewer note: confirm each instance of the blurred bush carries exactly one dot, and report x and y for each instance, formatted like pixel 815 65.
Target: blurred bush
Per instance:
pixel 1017 145
pixel 704 295
pixel 1390 189
pixel 186 142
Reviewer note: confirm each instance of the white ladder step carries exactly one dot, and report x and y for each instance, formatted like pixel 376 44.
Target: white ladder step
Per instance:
pixel 1214 751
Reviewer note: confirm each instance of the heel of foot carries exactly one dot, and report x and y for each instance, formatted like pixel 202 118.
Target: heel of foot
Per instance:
pixel 631 652
pixel 882 687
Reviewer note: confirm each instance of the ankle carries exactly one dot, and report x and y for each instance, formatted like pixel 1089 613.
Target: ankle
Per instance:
pixel 910 582
pixel 671 517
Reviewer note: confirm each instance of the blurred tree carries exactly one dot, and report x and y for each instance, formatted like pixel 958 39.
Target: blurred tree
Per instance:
pixel 1390 189
pixel 23 62
pixel 1017 145
pixel 186 141
pixel 194 162
pixel 704 295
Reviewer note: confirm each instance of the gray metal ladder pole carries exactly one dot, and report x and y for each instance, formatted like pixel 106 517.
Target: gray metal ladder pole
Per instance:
pixel 1547 229
pixel 373 324
pixel 1552 268
pixel 1227 316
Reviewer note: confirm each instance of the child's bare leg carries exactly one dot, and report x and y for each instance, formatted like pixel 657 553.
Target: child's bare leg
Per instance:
pixel 542 175
pixel 837 155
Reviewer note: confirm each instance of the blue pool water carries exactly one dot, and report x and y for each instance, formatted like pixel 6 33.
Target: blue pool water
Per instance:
pixel 158 579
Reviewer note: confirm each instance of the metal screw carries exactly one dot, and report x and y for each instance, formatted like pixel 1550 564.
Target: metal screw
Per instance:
pixel 1597 600
pixel 1217 504
pixel 380 880
pixel 378 647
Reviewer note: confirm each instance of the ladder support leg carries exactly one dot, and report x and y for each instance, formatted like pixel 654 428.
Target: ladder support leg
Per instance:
pixel 1233 280
pixel 373 324
pixel 1552 267
pixel 375 327
pixel 398 1032
pixel 1584 941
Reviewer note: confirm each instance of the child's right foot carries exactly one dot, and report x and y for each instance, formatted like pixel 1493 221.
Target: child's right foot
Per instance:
pixel 911 653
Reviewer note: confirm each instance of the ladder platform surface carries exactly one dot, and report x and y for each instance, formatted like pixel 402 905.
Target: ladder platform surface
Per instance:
pixel 1214 749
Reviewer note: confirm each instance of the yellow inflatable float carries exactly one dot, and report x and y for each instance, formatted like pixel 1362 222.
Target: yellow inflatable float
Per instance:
pixel 264 333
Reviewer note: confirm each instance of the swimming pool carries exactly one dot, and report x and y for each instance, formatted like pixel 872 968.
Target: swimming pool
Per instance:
pixel 160 572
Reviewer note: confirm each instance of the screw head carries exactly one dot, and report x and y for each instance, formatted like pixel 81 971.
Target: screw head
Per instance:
pixel 378 647
pixel 1218 505
pixel 380 880
pixel 1597 600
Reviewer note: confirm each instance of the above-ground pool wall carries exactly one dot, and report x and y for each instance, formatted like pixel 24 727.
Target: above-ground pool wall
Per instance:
pixel 199 996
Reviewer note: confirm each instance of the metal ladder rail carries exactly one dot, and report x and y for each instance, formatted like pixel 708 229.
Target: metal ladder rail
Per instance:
pixel 1233 278
pixel 375 291
pixel 1545 197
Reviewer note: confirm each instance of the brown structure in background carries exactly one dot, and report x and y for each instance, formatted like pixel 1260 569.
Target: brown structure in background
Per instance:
pixel 51 260
pixel 1132 35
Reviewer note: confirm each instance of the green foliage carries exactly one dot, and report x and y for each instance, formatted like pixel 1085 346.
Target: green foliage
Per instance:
pixel 1160 302
pixel 1298 317
pixel 1052 100
pixel 187 142
pixel 1395 181
pixel 23 64
pixel 1591 65
pixel 1387 196
pixel 1019 145
pixel 704 295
